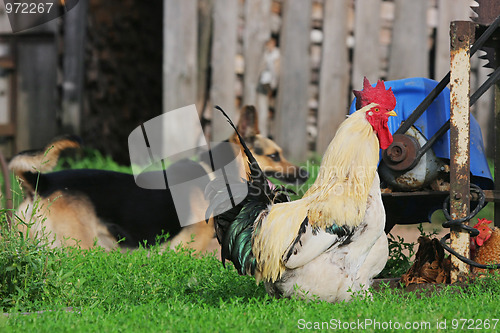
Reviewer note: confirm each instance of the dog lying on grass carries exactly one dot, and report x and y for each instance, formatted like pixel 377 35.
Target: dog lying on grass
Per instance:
pixel 88 207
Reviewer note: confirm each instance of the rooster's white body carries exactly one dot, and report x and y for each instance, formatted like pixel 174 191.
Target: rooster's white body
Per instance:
pixel 331 242
pixel 337 273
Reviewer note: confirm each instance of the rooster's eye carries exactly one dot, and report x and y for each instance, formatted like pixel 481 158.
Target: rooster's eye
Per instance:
pixel 376 109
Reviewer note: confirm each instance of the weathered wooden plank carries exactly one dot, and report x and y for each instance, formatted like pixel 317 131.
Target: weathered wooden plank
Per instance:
pixel 334 73
pixel 180 67
pixel 449 10
pixel 4 20
pixel 255 51
pixel 75 25
pixel 7 125
pixel 366 60
pixel 205 8
pixel 483 108
pixel 257 32
pixel 409 51
pixel 179 53
pixel 292 111
pixel 37 91
pixel 4 99
pixel 225 20
pixel 36 83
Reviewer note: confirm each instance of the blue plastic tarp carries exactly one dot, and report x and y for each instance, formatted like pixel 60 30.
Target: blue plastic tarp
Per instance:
pixel 409 94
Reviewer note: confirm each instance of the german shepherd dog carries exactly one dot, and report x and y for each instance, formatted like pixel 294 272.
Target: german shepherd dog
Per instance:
pixel 87 207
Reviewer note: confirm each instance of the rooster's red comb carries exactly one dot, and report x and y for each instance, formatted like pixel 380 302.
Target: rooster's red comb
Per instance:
pixel 481 222
pixel 378 94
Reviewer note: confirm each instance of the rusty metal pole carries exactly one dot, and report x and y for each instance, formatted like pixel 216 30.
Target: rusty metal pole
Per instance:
pixel 462 34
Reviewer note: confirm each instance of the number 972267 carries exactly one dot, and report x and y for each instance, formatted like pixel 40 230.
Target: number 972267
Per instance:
pixel 28 7
pixel 474 324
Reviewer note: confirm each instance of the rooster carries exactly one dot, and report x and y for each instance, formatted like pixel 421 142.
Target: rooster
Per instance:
pixel 486 245
pixel 331 242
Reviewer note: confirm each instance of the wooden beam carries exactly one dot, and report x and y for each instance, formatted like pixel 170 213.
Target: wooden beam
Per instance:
pixel 205 24
pixel 36 118
pixel 179 68
pixel 222 93
pixel 293 91
pixel 366 61
pixel 483 109
pixel 75 27
pixel 257 32
pixel 334 72
pixel 448 10
pixel 408 56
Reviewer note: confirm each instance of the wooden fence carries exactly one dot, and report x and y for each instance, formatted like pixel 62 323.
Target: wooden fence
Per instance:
pixel 27 68
pixel 296 60
pixel 36 101
pixel 325 47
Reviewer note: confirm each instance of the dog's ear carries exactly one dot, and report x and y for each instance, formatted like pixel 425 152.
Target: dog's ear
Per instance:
pixel 248 124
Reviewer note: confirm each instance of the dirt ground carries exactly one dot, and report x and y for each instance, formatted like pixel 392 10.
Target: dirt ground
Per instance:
pixel 410 232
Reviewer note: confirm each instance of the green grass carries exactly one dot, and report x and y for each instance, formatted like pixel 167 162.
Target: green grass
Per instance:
pixel 92 159
pixel 73 290
pixel 146 291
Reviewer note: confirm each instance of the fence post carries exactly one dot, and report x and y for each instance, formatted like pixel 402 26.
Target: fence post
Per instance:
pixel 448 10
pixel 293 91
pixel 408 55
pixel 224 41
pixel 75 25
pixel 334 73
pixel 179 66
pixel 204 48
pixel 366 60
pixel 257 33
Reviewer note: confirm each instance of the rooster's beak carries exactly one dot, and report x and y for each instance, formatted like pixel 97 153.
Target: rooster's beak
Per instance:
pixel 392 113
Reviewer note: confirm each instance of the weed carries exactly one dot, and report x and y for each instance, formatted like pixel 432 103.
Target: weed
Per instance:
pixel 429 234
pixel 30 264
pixel 30 268
pixel 400 254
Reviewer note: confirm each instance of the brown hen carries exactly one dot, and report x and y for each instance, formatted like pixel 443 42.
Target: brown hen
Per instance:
pixel 487 245
pixel 430 265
